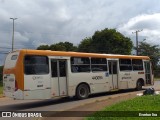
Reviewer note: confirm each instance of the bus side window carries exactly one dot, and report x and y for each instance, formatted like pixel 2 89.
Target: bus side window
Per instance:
pixel 98 64
pixel 74 69
pixel 125 64
pixel 137 64
pixel 80 64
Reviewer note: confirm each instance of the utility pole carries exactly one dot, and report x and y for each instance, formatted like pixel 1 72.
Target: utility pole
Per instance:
pixel 13 33
pixel 137 31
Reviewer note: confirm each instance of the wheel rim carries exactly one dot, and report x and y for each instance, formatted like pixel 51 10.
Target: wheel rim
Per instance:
pixel 82 92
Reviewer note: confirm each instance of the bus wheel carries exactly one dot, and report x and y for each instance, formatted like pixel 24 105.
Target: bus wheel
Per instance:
pixel 82 91
pixel 139 85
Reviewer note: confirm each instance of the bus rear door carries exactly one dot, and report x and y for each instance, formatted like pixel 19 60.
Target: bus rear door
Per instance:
pixel 113 74
pixel 58 77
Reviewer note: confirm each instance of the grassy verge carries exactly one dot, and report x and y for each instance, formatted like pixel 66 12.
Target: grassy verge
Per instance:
pixel 130 109
pixel 157 79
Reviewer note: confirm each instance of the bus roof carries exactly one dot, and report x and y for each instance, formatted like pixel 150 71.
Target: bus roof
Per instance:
pixel 80 54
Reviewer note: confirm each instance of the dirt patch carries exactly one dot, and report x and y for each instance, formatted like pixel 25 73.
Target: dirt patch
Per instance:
pixel 1 95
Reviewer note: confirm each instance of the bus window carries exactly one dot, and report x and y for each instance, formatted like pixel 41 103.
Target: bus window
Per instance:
pixel 54 68
pixel 36 65
pixel 125 64
pixel 58 68
pixel 80 64
pixel 11 60
pixel 137 64
pixel 112 67
pixel 62 68
pixel 14 57
pixel 98 64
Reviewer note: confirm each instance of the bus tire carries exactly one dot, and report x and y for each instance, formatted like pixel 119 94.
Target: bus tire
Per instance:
pixel 139 85
pixel 82 91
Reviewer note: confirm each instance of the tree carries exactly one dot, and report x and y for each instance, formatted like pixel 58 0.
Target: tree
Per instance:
pixel 107 41
pixel 43 47
pixel 61 46
pixel 57 47
pixel 85 45
pixel 68 46
pixel 153 51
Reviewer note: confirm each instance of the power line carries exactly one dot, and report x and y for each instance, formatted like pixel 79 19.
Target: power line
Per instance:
pixel 5 48
pixel 18 46
pixel 4 52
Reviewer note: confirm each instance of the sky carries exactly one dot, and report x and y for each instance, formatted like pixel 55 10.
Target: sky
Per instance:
pixel 51 21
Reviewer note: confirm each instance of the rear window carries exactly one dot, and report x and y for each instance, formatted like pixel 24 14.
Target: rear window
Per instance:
pixel 11 60
pixel 14 57
pixel 36 65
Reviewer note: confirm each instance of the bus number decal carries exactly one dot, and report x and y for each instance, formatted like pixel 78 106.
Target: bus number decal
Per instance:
pixel 37 77
pixel 126 76
pixel 39 85
pixel 97 77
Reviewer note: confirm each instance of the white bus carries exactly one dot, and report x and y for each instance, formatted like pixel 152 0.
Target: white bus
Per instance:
pixel 45 74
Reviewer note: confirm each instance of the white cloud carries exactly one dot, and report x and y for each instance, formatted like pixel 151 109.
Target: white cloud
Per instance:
pixel 149 23
pixel 49 21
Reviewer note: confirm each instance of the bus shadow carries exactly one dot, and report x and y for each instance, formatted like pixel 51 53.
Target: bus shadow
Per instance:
pixel 35 104
pixel 23 106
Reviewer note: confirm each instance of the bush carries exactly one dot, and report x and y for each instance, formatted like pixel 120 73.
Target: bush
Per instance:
pixel 157 73
pixel 1 73
pixel 1 84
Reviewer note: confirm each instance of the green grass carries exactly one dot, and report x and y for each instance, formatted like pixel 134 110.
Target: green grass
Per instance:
pixel 144 104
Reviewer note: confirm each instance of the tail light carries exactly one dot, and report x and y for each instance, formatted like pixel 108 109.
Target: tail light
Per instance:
pixel 16 86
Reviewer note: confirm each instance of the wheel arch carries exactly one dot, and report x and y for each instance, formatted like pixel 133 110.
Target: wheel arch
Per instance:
pixel 141 80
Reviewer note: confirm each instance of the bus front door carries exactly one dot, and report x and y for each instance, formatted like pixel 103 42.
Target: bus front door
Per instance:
pixel 113 74
pixel 58 78
pixel 147 72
